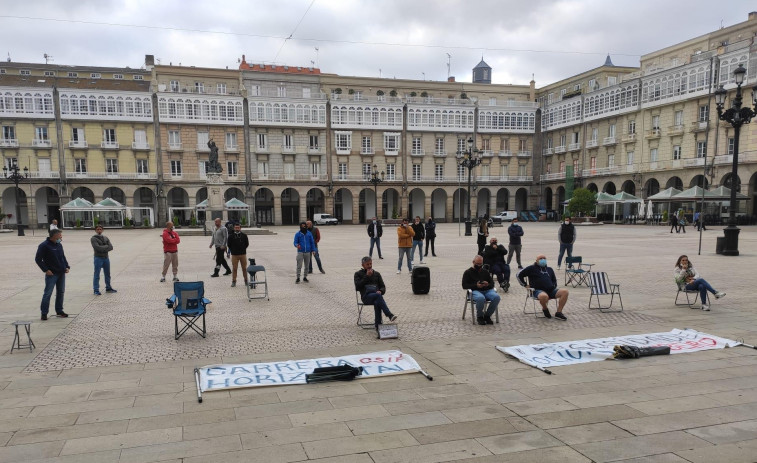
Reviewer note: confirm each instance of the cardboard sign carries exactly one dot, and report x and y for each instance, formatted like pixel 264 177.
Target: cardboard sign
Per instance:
pixel 388 332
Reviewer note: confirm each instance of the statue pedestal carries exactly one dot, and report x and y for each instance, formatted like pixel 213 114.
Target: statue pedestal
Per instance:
pixel 215 207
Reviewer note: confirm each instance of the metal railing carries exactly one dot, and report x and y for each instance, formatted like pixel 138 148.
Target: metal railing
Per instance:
pixel 609 141
pixel 9 143
pixel 40 143
pixel 78 144
pixel 110 145
pixel 524 154
pixel 140 145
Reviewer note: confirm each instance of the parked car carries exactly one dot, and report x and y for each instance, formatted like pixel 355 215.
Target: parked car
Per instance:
pixel 325 219
pixel 504 216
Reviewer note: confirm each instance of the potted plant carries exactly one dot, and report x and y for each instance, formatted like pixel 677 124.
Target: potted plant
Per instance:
pixel 393 93
pixel 127 222
pixel 424 94
pixel 146 222
pixel 351 91
pixel 78 223
pixel 193 221
pixel 413 94
pixel 244 221
pixel 176 222
pixel 338 91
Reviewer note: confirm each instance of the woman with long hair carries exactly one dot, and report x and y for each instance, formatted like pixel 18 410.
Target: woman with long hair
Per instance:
pixel 483 233
pixel 688 278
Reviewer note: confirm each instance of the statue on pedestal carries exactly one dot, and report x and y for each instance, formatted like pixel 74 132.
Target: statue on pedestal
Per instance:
pixel 214 167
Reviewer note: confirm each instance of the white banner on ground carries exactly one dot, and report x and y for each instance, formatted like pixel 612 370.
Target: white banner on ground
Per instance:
pixel 215 377
pixel 591 350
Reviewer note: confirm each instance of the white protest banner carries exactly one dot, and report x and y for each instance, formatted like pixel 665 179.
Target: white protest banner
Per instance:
pixel 547 355
pixel 216 377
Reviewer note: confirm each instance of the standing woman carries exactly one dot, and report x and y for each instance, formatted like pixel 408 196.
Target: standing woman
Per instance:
pixel 483 233
pixel 688 278
pixel 430 236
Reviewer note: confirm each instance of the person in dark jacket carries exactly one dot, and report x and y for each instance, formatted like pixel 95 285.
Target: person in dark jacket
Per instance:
pixel 101 245
pixel 483 233
pixel 674 223
pixel 372 289
pixel 375 230
pixel 430 236
pixel 420 234
pixel 566 235
pixel 481 283
pixel 51 259
pixel 316 255
pixel 305 244
pixel 516 232
pixel 543 280
pixel 494 257
pixel 238 243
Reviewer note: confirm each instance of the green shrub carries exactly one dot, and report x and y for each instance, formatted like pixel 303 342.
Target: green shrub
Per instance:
pixel 664 216
pixel 78 223
pixel 193 221
pixel 146 222
pixel 424 94
pixel 244 221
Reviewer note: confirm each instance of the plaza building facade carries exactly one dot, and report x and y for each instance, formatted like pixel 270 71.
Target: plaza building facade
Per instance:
pixel 642 130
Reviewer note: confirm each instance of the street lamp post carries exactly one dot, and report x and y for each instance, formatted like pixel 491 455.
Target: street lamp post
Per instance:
pixel 736 116
pixel 469 159
pixel 375 178
pixel 14 175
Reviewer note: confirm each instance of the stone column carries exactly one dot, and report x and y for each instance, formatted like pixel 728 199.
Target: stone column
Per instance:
pixel 277 213
pixel 449 209
pixel 215 207
pixel 427 207
pixel 303 208
pixel 356 207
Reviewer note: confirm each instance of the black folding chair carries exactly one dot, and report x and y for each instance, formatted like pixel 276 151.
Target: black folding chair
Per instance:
pixel 576 275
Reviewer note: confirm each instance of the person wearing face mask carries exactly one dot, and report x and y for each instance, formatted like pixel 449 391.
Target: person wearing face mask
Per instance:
pixel 494 257
pixel 375 230
pixel 405 235
pixel 420 233
pixel 566 235
pixel 430 236
pixel 238 244
pixel 515 232
pixel 101 245
pixel 305 244
pixel 481 283
pixel 543 280
pixel 51 259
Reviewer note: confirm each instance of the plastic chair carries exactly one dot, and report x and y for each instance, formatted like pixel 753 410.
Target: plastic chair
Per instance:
pixel 255 282
pixel 576 275
pixel 600 285
pixel 469 301
pixel 189 304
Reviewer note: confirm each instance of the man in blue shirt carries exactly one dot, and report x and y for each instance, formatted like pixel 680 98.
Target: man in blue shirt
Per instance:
pixel 305 244
pixel 543 280
pixel 52 260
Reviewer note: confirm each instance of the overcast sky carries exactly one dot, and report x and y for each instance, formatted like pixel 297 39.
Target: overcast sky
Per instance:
pixel 550 39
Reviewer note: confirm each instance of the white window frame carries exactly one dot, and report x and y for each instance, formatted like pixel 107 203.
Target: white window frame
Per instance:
pixel 417 146
pixel 315 169
pixel 263 169
pixel 176 168
pixel 231 141
pixel 653 155
pixel 262 141
pixel 367 170
pixel 143 166
pixel 343 142
pixel 417 172
pixel 221 88
pixel 629 158
pixel 391 171
pixel 391 142
pixel 439 172
pixel 676 152
pixel 111 166
pixel 342 171
pixel 174 86
pixel 232 168
pixel 80 165
pixel 701 149
pixel 610 160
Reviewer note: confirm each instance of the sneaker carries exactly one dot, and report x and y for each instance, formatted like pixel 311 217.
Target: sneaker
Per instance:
pixel 228 272
pixel 488 320
pixel 297 281
pixel 215 275
pixel 507 286
pixel 481 320
pixel 233 284
pixel 706 307
pixel 399 271
pixel 98 293
pixel 110 290
pixel 393 318
pixel 306 280
pixel 380 257
pixel 423 262
pixel 323 271
pixel 558 267
pixel 61 315
pixel 719 294
pixel 546 313
pixel 162 279
pixel 560 316
pixel 175 279
pixel 520 267
pixel 44 316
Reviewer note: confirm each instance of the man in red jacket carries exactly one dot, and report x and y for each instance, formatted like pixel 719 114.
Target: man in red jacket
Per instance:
pixel 170 251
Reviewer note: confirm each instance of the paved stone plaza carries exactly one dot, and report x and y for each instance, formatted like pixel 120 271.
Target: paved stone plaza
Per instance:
pixel 111 384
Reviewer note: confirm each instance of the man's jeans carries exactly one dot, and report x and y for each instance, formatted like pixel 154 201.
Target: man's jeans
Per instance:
pixel 479 298
pixel 502 271
pixel 379 306
pixel 104 264
pixel 419 244
pixel 317 261
pixel 565 247
pixel 408 253
pixel 57 281
pixel 376 241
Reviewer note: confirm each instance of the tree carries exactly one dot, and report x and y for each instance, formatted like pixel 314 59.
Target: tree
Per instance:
pixel 583 202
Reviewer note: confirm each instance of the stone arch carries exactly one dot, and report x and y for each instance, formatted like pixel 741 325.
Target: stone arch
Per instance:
pixel 609 188
pixel 48 205
pixel 416 203
pixel 727 181
pixel 233 192
pixel 592 187
pixel 483 202
pixel 439 205
pixel 315 202
pixel 521 199
pixel 143 197
pixel 752 192
pixel 459 204
pixel 629 187
pixel 651 187
pixel 366 204
pixel 290 207
pixel 201 195
pixel 674 182
pixel 83 192
pixel 700 181
pixel 503 199
pixel 9 206
pixel 115 193
pixel 343 202
pixel 560 198
pixel 178 197
pixel 548 198
pixel 264 212
pixel 390 203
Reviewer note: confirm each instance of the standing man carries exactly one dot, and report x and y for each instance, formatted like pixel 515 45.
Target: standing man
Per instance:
pixel 372 290
pixel 53 225
pixel 51 259
pixel 405 235
pixel 220 239
pixel 419 234
pixel 316 237
pixel 238 244
pixel 494 257
pixel 430 236
pixel 305 244
pixel 516 232
pixel 375 230
pixel 673 224
pixel 102 245
pixel 543 280
pixel 171 242
pixel 480 282
pixel 566 235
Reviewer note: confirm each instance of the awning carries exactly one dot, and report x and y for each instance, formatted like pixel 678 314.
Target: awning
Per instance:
pixel 665 195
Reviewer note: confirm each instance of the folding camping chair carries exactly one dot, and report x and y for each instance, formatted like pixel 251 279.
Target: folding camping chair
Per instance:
pixel 535 309
pixel 360 305
pixel 469 301
pixel 189 305
pixel 687 292
pixel 576 275
pixel 600 285
pixel 253 288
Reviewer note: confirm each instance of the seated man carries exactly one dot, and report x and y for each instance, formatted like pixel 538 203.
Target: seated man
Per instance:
pixel 481 283
pixel 372 290
pixel 543 280
pixel 494 257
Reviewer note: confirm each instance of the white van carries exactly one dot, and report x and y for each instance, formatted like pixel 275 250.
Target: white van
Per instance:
pixel 504 216
pixel 324 219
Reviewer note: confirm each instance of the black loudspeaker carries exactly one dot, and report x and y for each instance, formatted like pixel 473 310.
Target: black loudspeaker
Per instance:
pixel 420 280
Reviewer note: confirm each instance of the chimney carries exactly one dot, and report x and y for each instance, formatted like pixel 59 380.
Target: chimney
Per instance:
pixel 149 62
pixel 752 16
pixel 451 79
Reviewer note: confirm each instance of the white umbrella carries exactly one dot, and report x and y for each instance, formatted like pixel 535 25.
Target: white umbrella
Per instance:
pixel 650 210
pixel 642 211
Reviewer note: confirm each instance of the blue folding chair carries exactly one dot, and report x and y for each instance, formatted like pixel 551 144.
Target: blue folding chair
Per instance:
pixel 577 275
pixel 189 305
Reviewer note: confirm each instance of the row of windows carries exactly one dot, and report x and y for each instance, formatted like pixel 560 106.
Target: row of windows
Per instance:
pixel 614 100
pixel 432 119
pixel 672 85
pixel 72 74
pixel 563 114
pixel 283 113
pixel 83 105
pixel 171 108
pixel 26 103
pixel 384 117
pixel 111 166
pixel 506 120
